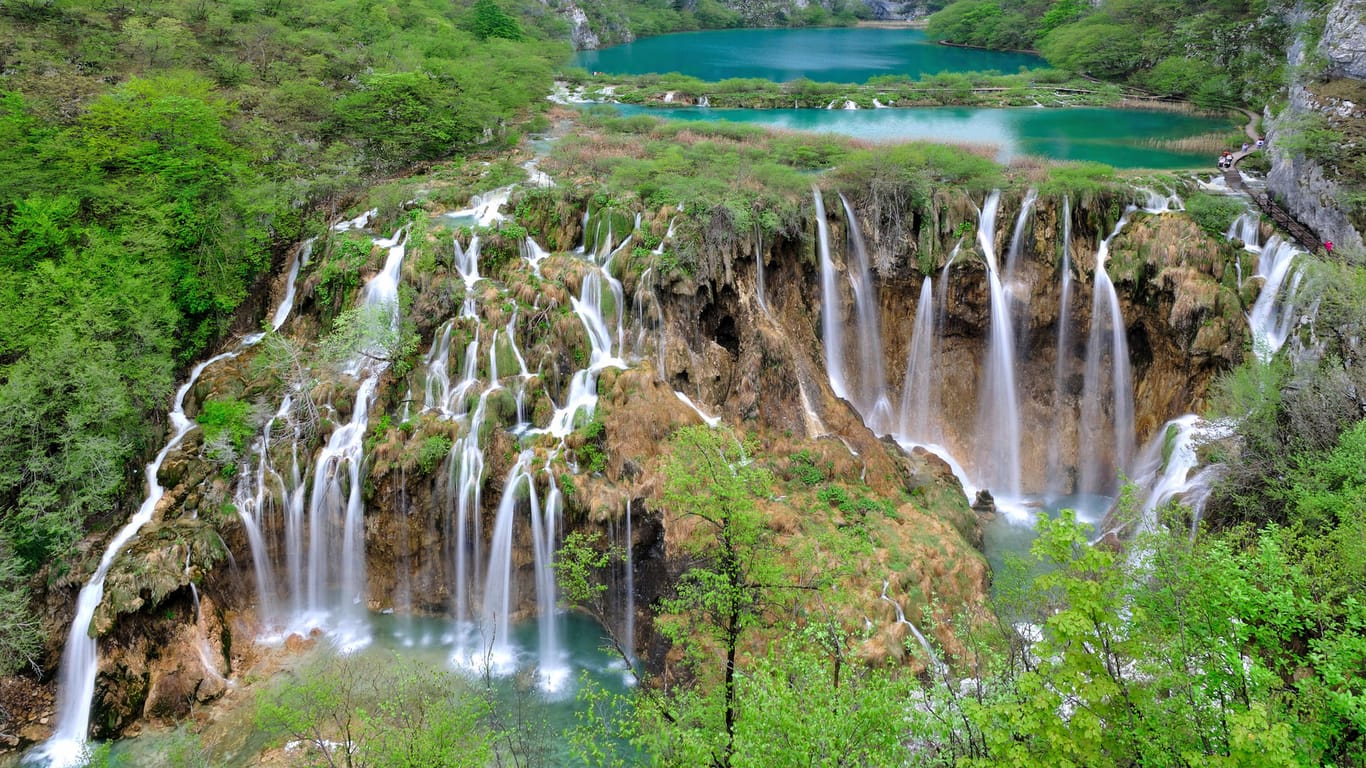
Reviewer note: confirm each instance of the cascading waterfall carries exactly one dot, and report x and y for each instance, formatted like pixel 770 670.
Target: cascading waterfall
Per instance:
pixel 80 662
pixel 495 626
pixel 918 403
pixel 1017 241
pixel 553 669
pixel 832 322
pixel 1060 410
pixel 1273 312
pixel 998 449
pixel 600 294
pixel 301 259
pixel 760 290
pixel 1102 459
pixel 338 557
pixel 871 399
pixel 933 658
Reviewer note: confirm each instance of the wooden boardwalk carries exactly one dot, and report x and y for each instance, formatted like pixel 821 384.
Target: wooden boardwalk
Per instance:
pixel 1302 234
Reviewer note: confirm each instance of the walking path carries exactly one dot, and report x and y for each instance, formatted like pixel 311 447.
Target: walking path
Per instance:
pixel 1302 234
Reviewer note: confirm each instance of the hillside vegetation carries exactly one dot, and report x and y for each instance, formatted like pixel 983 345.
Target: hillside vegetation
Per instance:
pixel 158 159
pixel 1214 52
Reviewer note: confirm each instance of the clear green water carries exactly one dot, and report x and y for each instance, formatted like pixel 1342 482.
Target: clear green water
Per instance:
pixel 780 55
pixel 432 641
pixel 1009 535
pixel 1119 137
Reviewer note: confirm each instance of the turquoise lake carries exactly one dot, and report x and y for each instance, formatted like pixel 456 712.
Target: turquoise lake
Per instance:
pixel 1119 137
pixel 847 55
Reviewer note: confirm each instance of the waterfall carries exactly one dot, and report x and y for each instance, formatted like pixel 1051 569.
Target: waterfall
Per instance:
pixel 1163 468
pixel 291 283
pixel 832 322
pixel 918 404
pixel 710 421
pixel 629 566
pixel 553 671
pixel 437 393
pixel 1060 410
pixel 600 295
pixel 80 662
pixel 1247 227
pixel 1097 475
pixel 933 659
pixel 1017 241
pixel 998 449
pixel 534 254
pixel 497 604
pixel 1274 310
pixel 872 400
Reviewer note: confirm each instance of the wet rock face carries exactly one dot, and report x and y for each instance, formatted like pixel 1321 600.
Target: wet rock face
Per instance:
pixel 754 359
pixel 1183 316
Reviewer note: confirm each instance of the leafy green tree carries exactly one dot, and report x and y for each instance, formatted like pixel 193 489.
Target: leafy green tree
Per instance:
pixel 356 713
pixel 490 20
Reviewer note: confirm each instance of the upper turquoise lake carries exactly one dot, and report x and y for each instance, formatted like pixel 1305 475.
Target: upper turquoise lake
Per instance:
pixel 845 55
pixel 1123 138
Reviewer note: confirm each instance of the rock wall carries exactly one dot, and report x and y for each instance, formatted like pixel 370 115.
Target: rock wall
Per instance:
pixel 1310 192
pixel 181 608
pixel 1344 39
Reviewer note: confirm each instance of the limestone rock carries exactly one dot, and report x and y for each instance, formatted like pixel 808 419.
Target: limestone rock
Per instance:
pixel 1344 39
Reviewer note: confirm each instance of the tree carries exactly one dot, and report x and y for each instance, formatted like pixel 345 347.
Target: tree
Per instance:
pixel 355 713
pixel 490 20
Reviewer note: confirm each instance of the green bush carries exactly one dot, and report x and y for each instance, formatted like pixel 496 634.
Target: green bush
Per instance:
pixel 434 450
pixel 1214 213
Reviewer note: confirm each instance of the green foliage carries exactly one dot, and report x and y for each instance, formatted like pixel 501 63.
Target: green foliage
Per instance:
pixel 360 714
pixel 21 639
pixel 434 450
pixel 370 332
pixel 1214 213
pixel 802 466
pixel 226 421
pixel 144 198
pixel 1217 53
pixel 490 20
pixel 590 441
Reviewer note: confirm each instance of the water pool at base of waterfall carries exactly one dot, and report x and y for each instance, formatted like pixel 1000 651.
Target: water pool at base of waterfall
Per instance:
pixel 232 740
pixel 1006 538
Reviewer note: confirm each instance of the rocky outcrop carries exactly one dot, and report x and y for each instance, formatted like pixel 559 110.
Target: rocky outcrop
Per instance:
pixel 1311 193
pixel 1314 189
pixel 1344 39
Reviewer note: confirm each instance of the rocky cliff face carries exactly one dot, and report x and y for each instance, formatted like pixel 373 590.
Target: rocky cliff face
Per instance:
pixel 1344 39
pixel 1317 190
pixel 740 337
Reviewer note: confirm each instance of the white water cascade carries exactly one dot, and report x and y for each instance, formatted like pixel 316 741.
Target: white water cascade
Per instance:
pixel 1101 458
pixel 1061 412
pixel 301 259
pixel 80 661
pixel 832 321
pixel 933 661
pixel 998 447
pixel 1273 313
pixel 918 401
pixel 871 399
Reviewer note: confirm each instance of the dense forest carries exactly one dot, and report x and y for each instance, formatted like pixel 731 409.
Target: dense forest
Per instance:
pixel 1215 53
pixel 158 160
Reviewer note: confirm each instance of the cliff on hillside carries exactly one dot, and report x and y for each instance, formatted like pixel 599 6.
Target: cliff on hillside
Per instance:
pixel 1318 140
